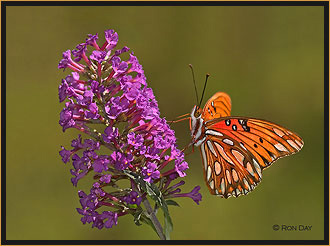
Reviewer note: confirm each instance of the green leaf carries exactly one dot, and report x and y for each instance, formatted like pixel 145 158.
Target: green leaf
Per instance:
pixel 157 196
pixel 148 221
pixel 131 174
pixel 172 203
pixel 168 225
pixel 137 217
pixel 156 208
pixel 133 206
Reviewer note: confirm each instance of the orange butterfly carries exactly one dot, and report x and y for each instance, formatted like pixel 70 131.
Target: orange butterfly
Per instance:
pixel 235 150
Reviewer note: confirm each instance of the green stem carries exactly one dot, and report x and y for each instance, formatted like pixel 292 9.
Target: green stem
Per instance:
pixel 154 219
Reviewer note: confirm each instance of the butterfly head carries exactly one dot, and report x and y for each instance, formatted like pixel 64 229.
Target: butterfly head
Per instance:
pixel 196 125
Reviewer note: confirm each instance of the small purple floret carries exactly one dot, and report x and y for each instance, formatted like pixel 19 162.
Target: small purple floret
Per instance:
pixel 150 172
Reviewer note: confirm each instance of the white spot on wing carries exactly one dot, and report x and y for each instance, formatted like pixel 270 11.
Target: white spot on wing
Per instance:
pixel 199 142
pixel 257 167
pixel 235 176
pixel 222 186
pixel 214 133
pixel 228 176
pixel 293 144
pixel 204 156
pixel 239 157
pixel 217 167
pixel 212 184
pixel 300 144
pixel 242 146
pixel 249 168
pixel 278 132
pixel 247 184
pixel 199 131
pixel 210 145
pixel 228 141
pixel 222 153
pixel 273 157
pixel 280 147
pixel 208 173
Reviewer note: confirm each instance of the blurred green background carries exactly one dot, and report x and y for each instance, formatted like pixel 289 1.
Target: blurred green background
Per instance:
pixel 268 59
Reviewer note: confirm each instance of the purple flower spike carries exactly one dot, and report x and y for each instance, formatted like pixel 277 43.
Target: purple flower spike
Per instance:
pixel 127 147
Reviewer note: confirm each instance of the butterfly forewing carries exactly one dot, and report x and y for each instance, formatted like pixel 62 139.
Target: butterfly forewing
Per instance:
pixel 237 149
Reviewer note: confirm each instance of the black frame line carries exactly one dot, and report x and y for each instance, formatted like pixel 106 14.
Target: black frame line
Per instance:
pixel 325 241
pixel 164 3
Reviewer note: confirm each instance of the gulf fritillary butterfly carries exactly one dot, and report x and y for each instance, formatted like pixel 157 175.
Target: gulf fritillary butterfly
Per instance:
pixel 235 150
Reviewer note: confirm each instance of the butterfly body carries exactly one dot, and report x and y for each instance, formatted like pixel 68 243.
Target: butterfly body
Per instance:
pixel 235 150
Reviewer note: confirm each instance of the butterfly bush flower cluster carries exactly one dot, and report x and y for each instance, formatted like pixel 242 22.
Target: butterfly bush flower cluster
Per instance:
pixel 107 99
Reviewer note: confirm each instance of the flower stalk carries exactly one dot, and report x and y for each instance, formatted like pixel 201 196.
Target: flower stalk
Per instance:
pixel 154 219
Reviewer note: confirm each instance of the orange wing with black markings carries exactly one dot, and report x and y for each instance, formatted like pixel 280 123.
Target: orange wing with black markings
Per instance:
pixel 237 149
pixel 219 105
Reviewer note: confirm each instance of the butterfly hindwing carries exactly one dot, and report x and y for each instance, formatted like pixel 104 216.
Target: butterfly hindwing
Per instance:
pixel 228 170
pixel 237 149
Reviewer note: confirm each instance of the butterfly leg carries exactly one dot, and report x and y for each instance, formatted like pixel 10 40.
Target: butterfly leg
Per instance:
pixel 185 148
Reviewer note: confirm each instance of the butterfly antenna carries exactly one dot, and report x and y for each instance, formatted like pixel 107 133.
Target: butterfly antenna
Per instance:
pixel 207 76
pixel 192 71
